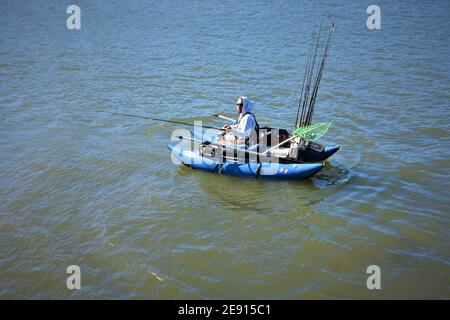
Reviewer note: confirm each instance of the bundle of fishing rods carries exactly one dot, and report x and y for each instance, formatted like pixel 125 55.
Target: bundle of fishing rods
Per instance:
pixel 312 77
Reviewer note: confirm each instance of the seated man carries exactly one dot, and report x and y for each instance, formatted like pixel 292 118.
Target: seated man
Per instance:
pixel 246 125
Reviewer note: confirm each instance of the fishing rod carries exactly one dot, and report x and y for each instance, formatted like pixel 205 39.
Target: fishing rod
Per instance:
pixel 310 68
pixel 319 77
pixel 163 120
pixel 304 80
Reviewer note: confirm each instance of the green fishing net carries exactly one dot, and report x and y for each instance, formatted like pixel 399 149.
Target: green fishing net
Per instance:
pixel 312 132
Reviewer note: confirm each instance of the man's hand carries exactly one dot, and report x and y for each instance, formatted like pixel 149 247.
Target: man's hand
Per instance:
pixel 226 127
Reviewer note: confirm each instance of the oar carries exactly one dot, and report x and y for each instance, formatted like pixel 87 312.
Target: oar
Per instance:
pixel 206 142
pixel 223 117
pixel 163 120
pixel 263 154
pixel 274 147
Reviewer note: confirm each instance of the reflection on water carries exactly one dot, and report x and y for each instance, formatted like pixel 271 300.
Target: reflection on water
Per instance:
pixel 332 175
pixel 259 196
